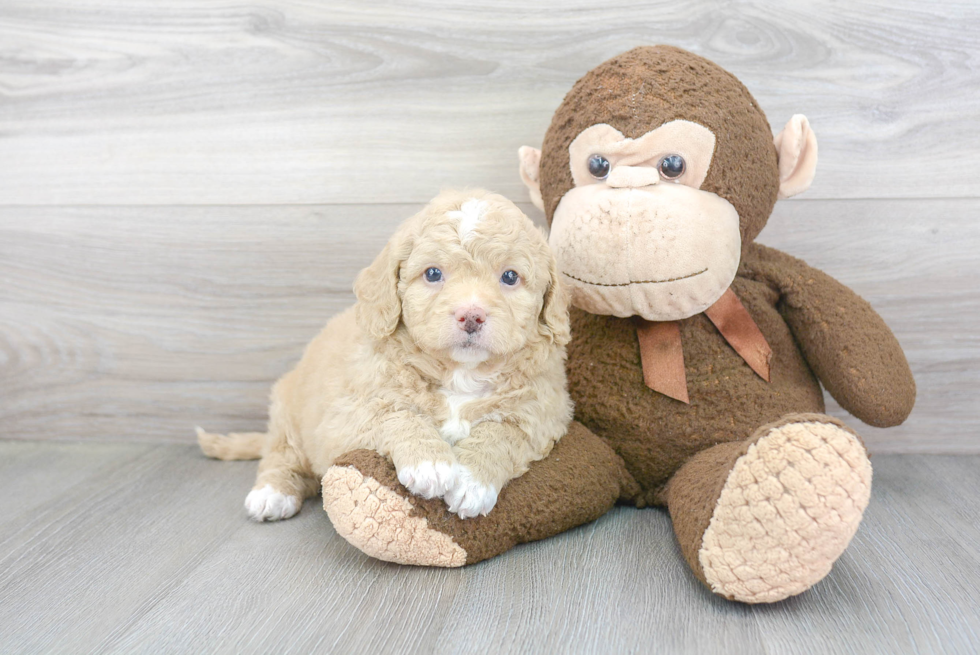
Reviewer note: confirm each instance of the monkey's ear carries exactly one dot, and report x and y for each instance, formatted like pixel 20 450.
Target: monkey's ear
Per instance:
pixel 379 308
pixel 554 322
pixel 796 147
pixel 530 163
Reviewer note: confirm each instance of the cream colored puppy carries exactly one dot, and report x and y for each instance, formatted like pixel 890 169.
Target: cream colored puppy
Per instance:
pixel 451 363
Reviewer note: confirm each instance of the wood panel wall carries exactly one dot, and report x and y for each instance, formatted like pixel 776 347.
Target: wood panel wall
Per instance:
pixel 187 188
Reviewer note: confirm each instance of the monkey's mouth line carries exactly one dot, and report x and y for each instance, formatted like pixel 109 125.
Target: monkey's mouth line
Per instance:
pixel 626 284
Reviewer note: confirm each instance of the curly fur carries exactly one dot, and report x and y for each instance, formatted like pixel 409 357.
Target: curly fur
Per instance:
pixel 459 415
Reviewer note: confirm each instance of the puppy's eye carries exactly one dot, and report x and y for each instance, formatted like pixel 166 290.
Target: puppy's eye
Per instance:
pixel 672 167
pixel 510 278
pixel 432 274
pixel 598 167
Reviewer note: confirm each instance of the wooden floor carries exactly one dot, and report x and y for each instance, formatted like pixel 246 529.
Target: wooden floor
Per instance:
pixel 187 190
pixel 146 548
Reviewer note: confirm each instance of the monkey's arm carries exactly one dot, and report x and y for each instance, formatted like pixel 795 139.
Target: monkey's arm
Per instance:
pixel 845 342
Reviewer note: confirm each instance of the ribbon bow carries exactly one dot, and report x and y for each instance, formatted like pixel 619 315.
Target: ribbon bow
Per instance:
pixel 663 355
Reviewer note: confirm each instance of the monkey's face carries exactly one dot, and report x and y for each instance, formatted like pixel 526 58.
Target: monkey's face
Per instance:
pixel 637 235
pixel 653 225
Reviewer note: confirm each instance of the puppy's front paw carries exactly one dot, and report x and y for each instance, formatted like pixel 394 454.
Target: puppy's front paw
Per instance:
pixel 469 497
pixel 267 504
pixel 428 479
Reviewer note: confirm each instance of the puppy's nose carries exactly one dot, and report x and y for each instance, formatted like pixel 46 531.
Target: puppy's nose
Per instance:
pixel 470 319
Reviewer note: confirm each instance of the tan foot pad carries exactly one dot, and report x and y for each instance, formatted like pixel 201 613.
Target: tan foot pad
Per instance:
pixel 788 510
pixel 377 521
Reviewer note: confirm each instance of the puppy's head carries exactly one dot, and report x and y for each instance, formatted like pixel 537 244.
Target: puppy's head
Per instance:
pixel 470 277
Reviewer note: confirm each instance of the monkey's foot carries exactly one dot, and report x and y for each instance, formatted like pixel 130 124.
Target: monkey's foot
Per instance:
pixel 579 481
pixel 787 511
pixel 380 519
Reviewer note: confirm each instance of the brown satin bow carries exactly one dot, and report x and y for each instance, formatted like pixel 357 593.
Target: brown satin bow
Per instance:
pixel 663 356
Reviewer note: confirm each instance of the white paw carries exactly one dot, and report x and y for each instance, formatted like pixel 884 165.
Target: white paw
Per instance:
pixel 470 498
pixel 428 479
pixel 267 504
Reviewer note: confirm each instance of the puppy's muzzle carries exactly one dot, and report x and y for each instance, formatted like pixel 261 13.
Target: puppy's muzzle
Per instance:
pixel 470 319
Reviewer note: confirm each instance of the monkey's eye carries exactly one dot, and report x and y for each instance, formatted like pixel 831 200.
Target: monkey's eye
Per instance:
pixel 671 167
pixel 432 274
pixel 598 167
pixel 510 278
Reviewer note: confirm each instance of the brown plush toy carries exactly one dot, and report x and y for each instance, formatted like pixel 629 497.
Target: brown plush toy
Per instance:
pixel 695 353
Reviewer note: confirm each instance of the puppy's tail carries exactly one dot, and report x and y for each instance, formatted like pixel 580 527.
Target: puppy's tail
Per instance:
pixel 237 445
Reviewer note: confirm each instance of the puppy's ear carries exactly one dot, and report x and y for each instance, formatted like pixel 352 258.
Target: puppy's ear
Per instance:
pixel 553 321
pixel 379 307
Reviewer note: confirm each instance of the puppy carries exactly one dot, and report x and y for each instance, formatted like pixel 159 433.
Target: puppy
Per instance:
pixel 451 363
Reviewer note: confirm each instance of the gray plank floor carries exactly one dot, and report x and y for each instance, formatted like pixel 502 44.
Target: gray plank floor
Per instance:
pixel 145 548
pixel 174 228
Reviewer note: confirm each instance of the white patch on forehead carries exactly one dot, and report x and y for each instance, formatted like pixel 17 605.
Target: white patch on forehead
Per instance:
pixel 469 215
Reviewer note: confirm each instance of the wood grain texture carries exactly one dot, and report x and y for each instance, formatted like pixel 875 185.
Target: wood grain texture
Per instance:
pixel 151 552
pixel 136 323
pixel 187 190
pixel 269 101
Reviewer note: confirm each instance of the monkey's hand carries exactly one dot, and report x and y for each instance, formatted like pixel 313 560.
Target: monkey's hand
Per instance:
pixel 845 342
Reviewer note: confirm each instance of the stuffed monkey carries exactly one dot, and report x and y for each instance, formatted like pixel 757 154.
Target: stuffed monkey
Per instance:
pixel 697 355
